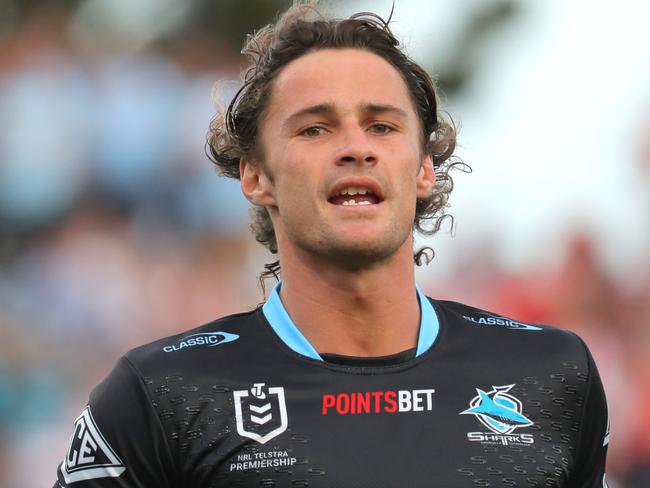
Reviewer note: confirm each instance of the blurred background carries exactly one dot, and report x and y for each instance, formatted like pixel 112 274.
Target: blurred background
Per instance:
pixel 115 230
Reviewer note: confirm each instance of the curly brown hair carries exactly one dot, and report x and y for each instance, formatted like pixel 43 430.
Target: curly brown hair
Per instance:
pixel 300 30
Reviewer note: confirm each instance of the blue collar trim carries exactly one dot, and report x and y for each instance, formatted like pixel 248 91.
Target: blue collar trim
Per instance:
pixel 429 325
pixel 284 327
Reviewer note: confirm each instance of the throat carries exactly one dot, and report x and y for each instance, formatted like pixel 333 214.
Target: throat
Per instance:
pixel 382 326
pixel 369 313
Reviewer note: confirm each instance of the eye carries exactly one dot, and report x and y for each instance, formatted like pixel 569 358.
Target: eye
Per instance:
pixel 381 128
pixel 313 131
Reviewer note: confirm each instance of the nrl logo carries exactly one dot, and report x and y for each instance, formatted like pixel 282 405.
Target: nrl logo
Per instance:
pixel 497 410
pixel 261 413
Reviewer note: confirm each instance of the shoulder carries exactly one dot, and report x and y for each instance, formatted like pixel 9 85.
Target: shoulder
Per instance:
pixel 496 331
pixel 214 341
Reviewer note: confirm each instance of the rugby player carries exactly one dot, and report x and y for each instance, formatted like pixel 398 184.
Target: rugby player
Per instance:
pixel 348 375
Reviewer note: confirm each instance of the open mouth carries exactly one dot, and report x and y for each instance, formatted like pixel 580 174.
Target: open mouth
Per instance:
pixel 355 196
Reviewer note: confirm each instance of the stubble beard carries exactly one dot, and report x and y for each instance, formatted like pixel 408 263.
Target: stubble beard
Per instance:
pixel 344 251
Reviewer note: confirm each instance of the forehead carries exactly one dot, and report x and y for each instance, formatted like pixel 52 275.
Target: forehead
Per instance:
pixel 345 78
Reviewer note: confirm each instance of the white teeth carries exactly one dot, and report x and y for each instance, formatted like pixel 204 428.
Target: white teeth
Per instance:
pixel 354 190
pixel 354 202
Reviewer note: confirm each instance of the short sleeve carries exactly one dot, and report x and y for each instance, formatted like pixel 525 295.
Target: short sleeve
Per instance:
pixel 117 440
pixel 593 438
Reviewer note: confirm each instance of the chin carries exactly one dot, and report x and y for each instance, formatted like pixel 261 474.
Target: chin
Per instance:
pixel 361 253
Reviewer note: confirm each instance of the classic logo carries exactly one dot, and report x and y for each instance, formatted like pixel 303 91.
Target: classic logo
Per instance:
pixel 495 320
pixel 261 413
pixel 209 339
pixel 501 413
pixel 89 456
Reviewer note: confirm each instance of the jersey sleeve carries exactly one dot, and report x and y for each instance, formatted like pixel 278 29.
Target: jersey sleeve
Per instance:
pixel 118 440
pixel 593 438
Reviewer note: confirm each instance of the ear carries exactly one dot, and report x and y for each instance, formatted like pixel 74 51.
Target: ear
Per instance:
pixel 426 178
pixel 256 186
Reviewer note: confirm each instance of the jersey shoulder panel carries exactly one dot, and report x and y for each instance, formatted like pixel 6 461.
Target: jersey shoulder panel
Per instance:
pixel 484 319
pixel 213 339
pixel 471 324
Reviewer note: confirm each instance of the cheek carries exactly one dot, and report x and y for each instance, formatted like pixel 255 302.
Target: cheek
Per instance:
pixel 295 195
pixel 409 183
pixel 410 194
pixel 297 181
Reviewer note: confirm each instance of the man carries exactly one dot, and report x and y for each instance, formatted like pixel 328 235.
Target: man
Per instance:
pixel 348 375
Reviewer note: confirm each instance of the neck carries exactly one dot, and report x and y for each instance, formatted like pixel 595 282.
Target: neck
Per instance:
pixel 369 312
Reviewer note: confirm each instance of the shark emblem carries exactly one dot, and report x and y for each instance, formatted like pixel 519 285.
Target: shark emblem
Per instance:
pixel 497 410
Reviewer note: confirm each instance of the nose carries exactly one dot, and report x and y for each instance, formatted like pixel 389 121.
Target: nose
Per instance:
pixel 356 148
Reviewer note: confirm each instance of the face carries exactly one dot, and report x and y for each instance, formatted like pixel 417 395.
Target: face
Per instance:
pixel 342 158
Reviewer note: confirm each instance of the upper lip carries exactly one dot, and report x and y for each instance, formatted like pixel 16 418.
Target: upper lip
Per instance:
pixel 357 181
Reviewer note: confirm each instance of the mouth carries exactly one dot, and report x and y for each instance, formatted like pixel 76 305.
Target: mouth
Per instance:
pixel 356 194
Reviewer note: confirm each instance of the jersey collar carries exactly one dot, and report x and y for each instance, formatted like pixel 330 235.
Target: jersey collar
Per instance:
pixel 284 327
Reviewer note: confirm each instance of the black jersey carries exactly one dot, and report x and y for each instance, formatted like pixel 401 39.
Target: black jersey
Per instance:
pixel 246 401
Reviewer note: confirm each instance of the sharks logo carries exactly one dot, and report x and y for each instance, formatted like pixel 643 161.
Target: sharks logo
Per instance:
pixel 501 413
pixel 497 410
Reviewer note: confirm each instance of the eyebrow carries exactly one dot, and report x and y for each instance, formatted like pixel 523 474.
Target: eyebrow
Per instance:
pixel 320 109
pixel 377 108
pixel 328 109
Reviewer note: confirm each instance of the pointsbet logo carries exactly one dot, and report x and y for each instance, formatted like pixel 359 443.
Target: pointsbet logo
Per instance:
pixel 374 402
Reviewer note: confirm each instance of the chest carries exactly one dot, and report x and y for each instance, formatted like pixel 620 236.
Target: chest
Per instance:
pixel 443 427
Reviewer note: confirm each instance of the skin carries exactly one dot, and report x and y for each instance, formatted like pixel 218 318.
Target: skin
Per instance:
pixel 343 117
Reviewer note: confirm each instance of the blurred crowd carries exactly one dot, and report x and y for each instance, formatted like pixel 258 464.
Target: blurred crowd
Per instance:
pixel 115 230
